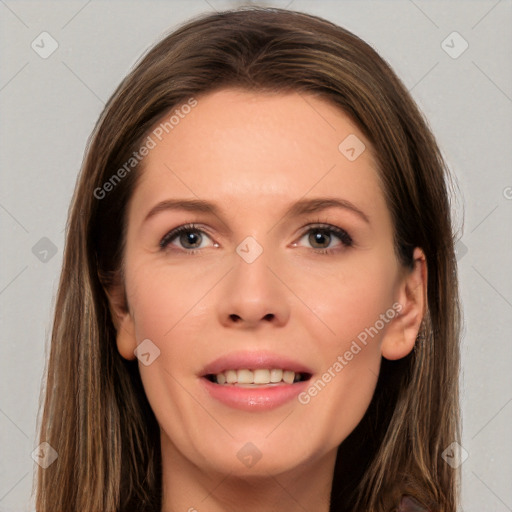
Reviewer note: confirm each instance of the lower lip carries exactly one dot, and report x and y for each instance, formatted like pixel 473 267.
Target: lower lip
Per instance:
pixel 254 399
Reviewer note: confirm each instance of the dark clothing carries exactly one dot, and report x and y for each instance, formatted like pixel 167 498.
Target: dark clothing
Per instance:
pixel 409 504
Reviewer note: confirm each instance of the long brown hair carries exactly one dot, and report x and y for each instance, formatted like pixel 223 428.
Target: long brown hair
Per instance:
pixel 95 413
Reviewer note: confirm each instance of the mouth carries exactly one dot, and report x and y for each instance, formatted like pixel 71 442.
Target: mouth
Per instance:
pixel 254 381
pixel 256 378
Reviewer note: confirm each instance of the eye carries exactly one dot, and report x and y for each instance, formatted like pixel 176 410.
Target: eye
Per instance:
pixel 323 235
pixel 189 236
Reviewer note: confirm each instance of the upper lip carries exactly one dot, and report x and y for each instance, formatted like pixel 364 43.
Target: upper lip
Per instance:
pixel 253 361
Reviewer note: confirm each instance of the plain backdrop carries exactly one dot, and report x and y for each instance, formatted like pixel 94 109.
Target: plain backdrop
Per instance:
pixel 455 58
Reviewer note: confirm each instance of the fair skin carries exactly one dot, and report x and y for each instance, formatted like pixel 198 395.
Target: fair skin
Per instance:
pixel 253 155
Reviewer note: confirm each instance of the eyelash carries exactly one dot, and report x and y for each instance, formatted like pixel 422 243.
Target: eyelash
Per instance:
pixel 343 236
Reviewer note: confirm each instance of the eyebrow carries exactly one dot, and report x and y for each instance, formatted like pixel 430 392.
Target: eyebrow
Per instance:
pixel 301 207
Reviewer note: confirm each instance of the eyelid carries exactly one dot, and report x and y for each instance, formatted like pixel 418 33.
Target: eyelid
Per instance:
pixel 342 234
pixel 173 233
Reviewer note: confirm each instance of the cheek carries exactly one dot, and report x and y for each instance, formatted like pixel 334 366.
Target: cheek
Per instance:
pixel 163 300
pixel 356 309
pixel 351 299
pixel 166 312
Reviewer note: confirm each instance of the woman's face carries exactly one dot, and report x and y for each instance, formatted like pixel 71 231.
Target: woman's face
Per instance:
pixel 289 272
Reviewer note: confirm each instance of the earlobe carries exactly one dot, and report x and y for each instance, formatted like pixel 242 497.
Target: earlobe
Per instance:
pixel 125 338
pixel 401 335
pixel 122 320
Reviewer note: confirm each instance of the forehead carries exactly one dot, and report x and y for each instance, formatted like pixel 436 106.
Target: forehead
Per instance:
pixel 252 149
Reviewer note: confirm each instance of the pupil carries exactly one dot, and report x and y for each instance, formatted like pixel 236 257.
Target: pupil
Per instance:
pixel 189 238
pixel 318 236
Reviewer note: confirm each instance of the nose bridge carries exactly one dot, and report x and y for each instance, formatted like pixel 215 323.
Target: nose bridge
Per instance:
pixel 252 292
pixel 250 250
pixel 252 263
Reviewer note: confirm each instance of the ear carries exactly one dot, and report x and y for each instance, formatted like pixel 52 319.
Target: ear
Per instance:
pixel 122 319
pixel 403 330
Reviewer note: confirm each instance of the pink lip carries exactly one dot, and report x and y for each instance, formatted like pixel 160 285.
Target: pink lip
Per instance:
pixel 253 361
pixel 254 399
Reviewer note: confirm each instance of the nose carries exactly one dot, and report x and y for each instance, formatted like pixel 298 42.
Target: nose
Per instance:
pixel 253 294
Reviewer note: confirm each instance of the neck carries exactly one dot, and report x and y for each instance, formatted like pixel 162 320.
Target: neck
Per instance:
pixel 189 488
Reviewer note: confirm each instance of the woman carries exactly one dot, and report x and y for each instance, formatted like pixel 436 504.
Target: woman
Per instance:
pixel 256 370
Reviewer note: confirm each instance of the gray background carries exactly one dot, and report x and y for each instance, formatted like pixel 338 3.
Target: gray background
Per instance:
pixel 49 107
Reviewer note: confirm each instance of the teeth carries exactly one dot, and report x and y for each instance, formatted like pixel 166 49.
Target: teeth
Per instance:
pixel 276 375
pixel 259 376
pixel 231 376
pixel 245 377
pixel 288 377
